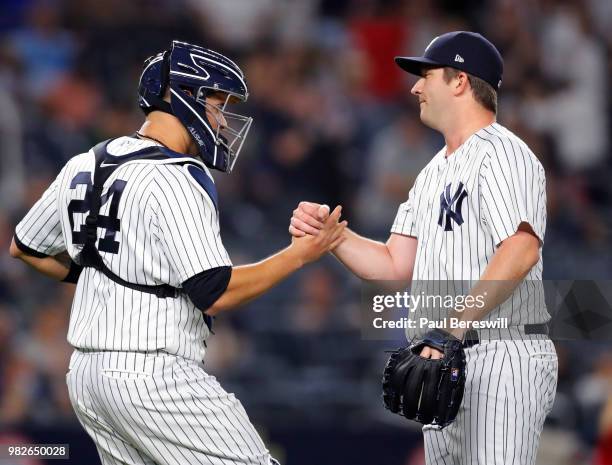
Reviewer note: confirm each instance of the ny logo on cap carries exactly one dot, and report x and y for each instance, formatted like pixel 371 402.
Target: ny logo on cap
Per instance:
pixel 459 58
pixel 446 207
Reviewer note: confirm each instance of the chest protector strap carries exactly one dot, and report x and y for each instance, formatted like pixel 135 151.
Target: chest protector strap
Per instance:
pixel 90 256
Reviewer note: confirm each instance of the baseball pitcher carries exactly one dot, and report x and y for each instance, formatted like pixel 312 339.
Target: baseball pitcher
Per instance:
pixel 476 213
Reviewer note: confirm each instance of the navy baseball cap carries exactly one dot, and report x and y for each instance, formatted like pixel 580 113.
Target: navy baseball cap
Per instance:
pixel 463 50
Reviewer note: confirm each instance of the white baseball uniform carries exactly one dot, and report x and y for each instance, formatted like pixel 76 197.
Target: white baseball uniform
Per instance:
pixel 136 378
pixel 460 208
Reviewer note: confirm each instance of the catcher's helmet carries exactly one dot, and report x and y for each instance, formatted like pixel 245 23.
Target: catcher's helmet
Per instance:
pixel 192 73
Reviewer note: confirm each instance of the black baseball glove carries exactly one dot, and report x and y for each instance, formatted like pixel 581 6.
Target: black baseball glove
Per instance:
pixel 426 390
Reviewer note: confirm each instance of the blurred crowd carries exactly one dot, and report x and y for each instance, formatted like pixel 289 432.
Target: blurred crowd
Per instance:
pixel 334 122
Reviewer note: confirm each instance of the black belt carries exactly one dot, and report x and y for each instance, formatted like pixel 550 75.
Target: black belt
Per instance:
pixel 472 338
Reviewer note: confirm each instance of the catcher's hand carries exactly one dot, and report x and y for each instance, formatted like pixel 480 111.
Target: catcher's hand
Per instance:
pixel 422 389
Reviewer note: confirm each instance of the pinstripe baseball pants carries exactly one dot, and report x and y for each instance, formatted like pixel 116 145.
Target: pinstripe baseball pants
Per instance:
pixel 510 388
pixel 159 409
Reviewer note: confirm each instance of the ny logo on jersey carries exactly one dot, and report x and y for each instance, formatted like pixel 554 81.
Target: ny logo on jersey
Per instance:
pixel 451 206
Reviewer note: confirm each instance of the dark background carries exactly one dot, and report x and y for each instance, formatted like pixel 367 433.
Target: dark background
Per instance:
pixel 334 123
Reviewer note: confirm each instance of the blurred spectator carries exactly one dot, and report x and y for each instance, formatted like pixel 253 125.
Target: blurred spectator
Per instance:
pixel 381 37
pixel 238 23
pixel 12 161
pixel 561 447
pixel 45 48
pixel 317 306
pixel 62 126
pixel 603 453
pixel 592 393
pixel 574 108
pixel 13 402
pixel 46 353
pixel 396 156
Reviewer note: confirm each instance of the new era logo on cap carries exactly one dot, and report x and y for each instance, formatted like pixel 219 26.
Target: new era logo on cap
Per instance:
pixel 459 58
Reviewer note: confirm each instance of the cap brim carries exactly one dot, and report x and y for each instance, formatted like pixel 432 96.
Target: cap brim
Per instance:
pixel 415 65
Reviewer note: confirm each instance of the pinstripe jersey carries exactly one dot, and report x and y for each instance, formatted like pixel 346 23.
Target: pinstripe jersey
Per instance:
pixel 462 206
pixel 168 231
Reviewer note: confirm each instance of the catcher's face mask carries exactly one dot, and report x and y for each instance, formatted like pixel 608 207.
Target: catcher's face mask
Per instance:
pixel 229 130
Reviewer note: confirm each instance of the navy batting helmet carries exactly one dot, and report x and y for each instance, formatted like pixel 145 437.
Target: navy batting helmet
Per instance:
pixel 192 73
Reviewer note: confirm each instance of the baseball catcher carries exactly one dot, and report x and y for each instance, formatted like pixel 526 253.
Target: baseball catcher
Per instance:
pixel 423 389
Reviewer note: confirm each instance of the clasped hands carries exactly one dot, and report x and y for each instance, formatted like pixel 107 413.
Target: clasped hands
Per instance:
pixel 313 220
pixel 315 230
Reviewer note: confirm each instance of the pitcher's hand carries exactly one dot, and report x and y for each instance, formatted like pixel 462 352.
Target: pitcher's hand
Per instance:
pixel 308 218
pixel 310 247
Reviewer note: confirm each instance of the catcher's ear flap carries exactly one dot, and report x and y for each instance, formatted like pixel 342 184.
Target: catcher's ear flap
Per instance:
pixel 165 75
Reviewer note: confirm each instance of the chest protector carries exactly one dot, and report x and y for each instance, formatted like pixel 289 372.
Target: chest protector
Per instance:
pixel 105 166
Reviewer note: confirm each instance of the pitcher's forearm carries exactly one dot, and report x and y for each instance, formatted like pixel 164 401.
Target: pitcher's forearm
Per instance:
pixel 506 270
pixel 366 258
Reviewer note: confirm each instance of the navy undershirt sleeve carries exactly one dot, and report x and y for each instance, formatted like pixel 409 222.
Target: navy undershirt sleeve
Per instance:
pixel 206 287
